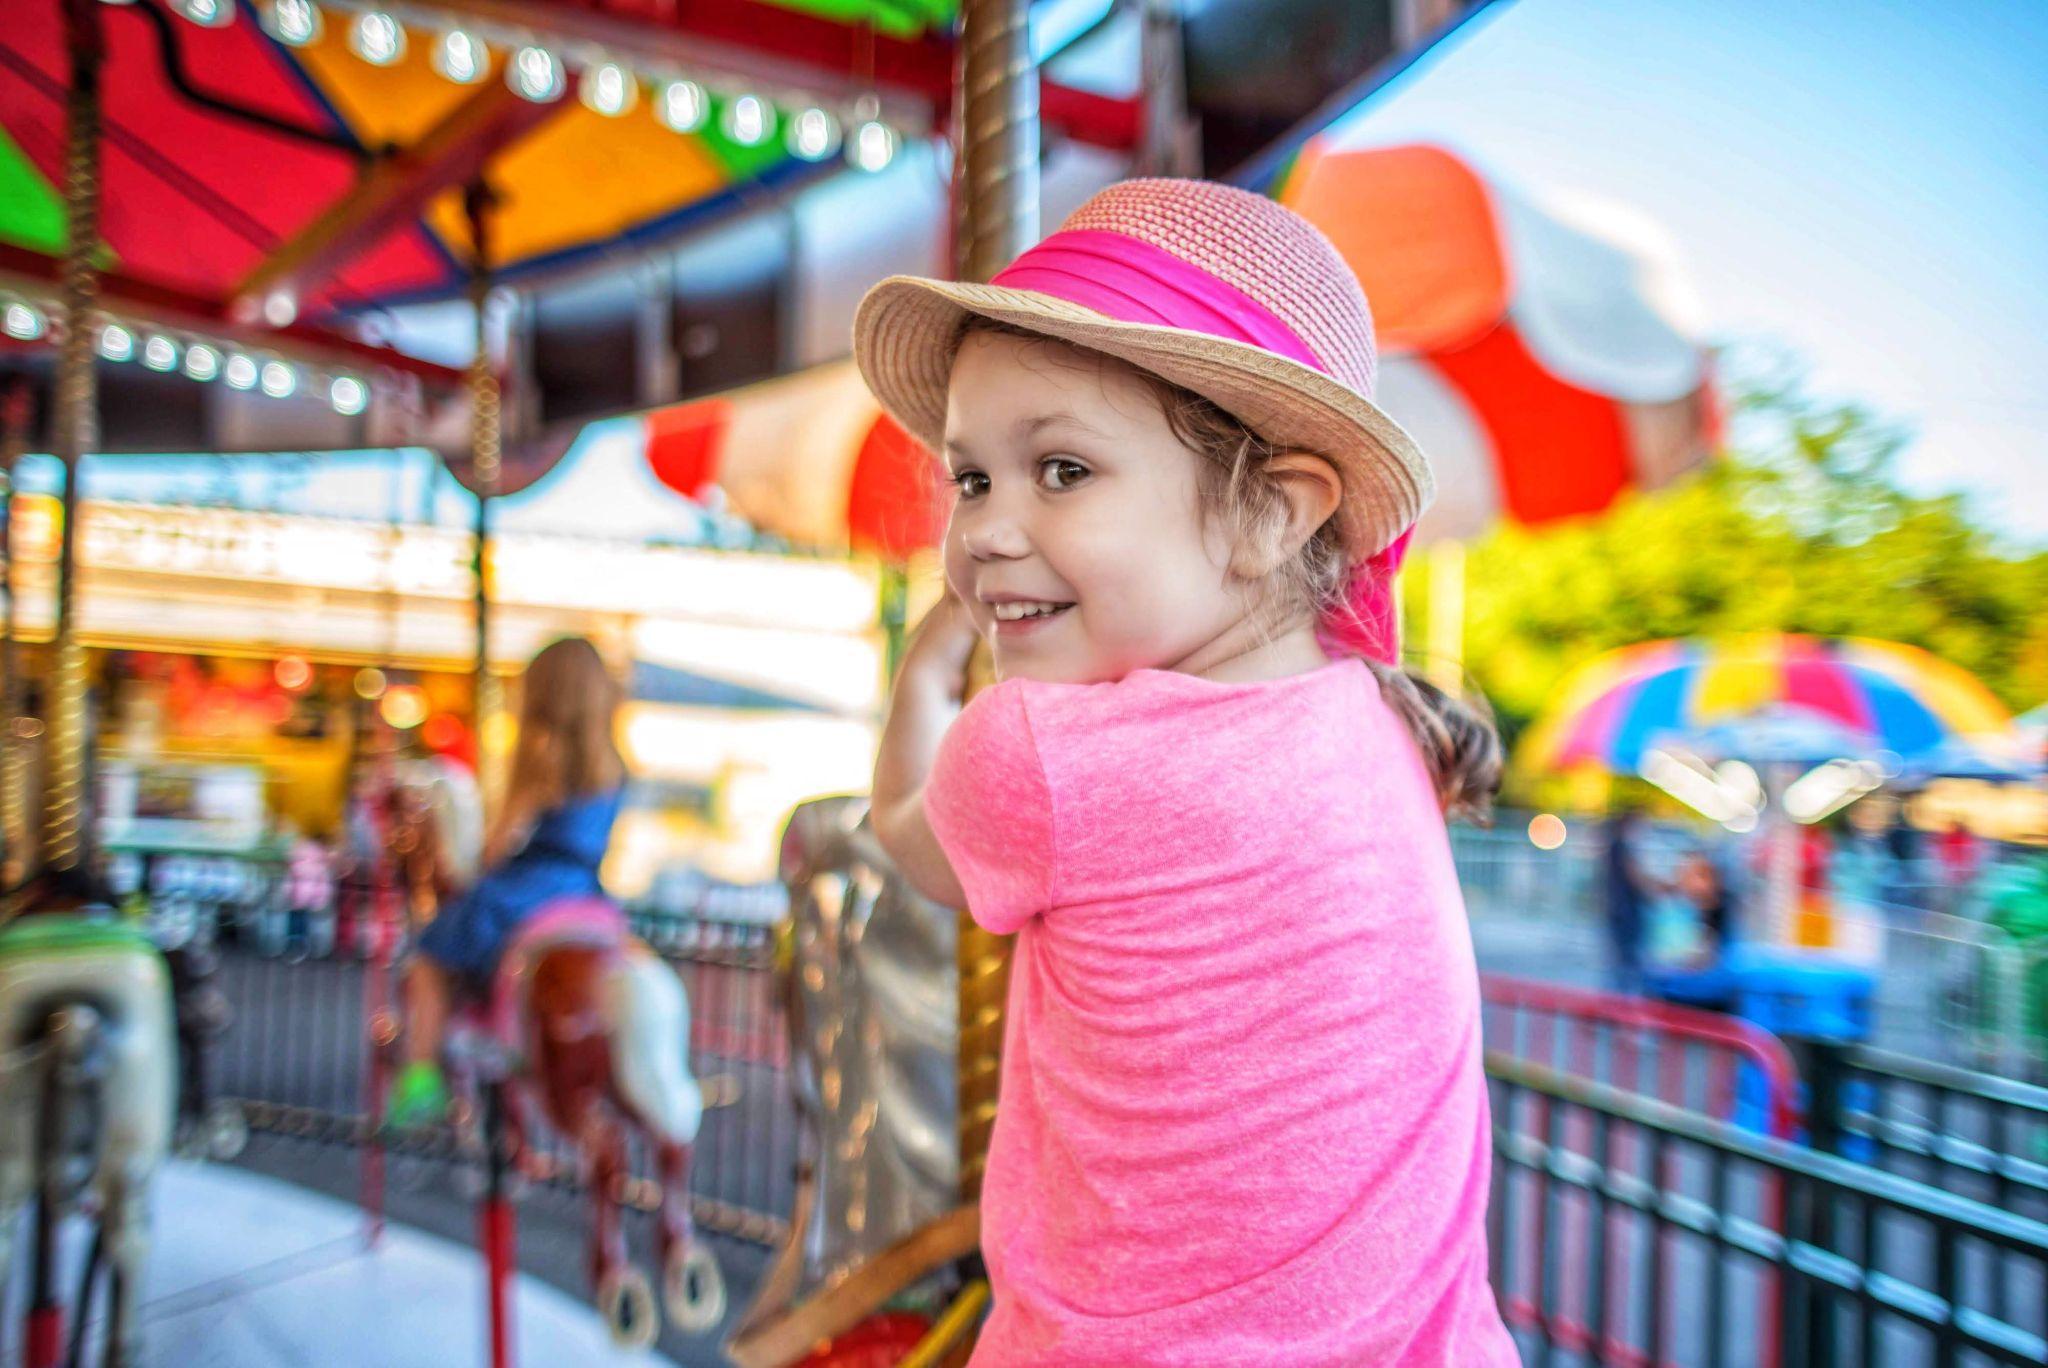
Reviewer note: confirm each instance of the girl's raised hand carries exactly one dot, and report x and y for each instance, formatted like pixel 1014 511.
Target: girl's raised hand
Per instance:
pixel 936 658
pixel 929 689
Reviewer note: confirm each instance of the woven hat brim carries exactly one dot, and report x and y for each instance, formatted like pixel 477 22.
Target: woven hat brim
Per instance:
pixel 903 336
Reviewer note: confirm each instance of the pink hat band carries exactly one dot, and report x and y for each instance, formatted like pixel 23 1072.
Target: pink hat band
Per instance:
pixel 1132 281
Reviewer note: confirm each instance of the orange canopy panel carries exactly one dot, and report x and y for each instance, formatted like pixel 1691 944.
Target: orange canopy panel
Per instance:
pixel 1419 227
pixel 1539 355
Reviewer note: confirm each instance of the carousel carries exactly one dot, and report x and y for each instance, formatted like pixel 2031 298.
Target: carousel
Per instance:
pixel 439 168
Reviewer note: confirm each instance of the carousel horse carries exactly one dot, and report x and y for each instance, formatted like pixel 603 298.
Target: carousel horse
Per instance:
pixel 87 1070
pixel 588 1030
pixel 871 998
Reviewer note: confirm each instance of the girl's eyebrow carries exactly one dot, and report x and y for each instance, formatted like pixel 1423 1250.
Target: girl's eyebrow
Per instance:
pixel 1024 430
pixel 1028 428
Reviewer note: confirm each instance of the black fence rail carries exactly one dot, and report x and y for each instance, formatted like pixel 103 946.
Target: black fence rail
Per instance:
pixel 294 1058
pixel 1630 1232
pixel 1973 1134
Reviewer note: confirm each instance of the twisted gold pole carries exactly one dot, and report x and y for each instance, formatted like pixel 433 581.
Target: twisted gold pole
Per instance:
pixel 996 217
pixel 76 432
pixel 486 445
pixel 16 837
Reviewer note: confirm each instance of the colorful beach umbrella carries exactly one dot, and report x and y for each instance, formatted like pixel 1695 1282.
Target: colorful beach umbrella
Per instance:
pixel 1542 354
pixel 1891 696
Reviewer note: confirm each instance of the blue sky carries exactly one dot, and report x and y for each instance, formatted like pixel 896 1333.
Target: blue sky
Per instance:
pixel 1865 183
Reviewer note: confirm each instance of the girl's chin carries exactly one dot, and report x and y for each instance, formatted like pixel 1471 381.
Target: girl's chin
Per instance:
pixel 1052 667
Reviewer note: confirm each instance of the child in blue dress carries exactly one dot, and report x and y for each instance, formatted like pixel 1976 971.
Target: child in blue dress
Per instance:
pixel 545 843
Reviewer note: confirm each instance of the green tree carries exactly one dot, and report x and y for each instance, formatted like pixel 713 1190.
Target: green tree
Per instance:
pixel 1800 527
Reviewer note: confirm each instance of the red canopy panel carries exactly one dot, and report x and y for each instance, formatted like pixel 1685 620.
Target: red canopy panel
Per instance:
pixel 192 198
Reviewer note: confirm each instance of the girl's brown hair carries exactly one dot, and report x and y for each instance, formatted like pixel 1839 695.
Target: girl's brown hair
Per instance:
pixel 568 701
pixel 1458 742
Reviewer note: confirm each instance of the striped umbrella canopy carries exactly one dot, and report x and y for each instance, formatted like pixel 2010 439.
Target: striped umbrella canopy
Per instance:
pixel 1891 696
pixel 1540 353
pixel 809 456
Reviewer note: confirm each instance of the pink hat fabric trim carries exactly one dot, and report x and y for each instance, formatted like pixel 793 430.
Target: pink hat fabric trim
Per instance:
pixel 1132 281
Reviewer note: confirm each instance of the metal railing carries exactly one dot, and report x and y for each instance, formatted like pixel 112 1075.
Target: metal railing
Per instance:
pixel 1647 1247
pixel 293 1058
pixel 1973 1134
pixel 1717 1065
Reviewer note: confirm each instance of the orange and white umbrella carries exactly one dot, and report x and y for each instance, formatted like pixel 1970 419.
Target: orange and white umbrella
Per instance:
pixel 1540 353
pixel 808 456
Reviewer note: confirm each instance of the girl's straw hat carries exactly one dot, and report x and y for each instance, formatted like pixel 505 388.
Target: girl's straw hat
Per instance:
pixel 1217 290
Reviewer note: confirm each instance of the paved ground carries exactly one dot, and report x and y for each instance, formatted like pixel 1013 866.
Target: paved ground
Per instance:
pixel 248 1272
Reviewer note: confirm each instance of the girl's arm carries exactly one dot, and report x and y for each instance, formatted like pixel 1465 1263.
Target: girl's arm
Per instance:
pixel 925 702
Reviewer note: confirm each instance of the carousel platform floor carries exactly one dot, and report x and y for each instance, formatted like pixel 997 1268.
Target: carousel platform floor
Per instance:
pixel 246 1270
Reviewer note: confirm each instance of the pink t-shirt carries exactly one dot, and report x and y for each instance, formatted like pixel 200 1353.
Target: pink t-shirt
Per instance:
pixel 1243 1119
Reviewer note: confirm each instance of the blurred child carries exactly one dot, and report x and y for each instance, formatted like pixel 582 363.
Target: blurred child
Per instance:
pixel 1243 1118
pixel 546 842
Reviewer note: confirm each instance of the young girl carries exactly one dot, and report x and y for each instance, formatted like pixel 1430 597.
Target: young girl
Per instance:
pixel 546 842
pixel 1243 1119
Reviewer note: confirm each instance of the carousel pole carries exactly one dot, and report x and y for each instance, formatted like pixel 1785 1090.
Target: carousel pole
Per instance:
pixel 995 188
pixel 75 425
pixel 494 1214
pixel 486 440
pixel 15 416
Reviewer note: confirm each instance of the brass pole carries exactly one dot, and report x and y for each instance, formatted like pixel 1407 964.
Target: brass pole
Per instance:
pixel 995 217
pixel 16 410
pixel 75 417
pixel 486 434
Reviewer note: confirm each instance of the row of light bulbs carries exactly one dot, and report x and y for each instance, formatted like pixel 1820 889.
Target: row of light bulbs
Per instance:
pixel 538 73
pixel 197 358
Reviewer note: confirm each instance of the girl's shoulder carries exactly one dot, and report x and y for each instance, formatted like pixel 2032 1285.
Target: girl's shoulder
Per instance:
pixel 1171 698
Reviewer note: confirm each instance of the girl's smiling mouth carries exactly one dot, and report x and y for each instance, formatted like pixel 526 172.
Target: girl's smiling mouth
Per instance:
pixel 1018 615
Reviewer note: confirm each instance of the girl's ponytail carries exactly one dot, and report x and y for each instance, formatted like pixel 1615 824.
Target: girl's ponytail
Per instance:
pixel 1459 746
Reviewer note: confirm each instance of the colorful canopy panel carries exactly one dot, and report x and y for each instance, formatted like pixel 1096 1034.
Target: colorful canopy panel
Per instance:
pixel 1896 697
pixel 196 200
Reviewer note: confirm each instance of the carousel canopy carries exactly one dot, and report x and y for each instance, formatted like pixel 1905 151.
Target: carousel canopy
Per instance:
pixel 597 125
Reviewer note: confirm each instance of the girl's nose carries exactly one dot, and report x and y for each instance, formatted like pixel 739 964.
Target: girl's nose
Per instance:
pixel 993 536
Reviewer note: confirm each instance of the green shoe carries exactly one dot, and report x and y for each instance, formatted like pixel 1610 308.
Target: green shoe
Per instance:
pixel 418 1098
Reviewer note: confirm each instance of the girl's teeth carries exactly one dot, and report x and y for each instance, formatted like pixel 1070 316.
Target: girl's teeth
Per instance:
pixel 1012 612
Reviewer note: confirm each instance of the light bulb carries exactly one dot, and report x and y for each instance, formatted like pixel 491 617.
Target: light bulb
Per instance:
pixel 116 342
pixel 22 322
pixel 749 120
pixel 535 73
pixel 683 106
pixel 208 13
pixel 279 308
pixel 813 135
pixel 201 361
pixel 239 372
pixel 160 354
pixel 609 89
pixel 279 379
pixel 377 38
pixel 461 57
pixel 295 23
pixel 349 395
pixel 873 146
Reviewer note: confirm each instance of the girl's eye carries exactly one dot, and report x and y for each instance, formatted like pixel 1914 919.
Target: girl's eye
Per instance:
pixel 972 484
pixel 1060 473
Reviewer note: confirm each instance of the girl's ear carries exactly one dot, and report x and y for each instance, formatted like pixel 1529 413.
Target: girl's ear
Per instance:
pixel 1310 490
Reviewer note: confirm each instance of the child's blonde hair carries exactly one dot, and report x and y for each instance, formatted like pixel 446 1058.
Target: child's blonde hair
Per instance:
pixel 1458 742
pixel 568 701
